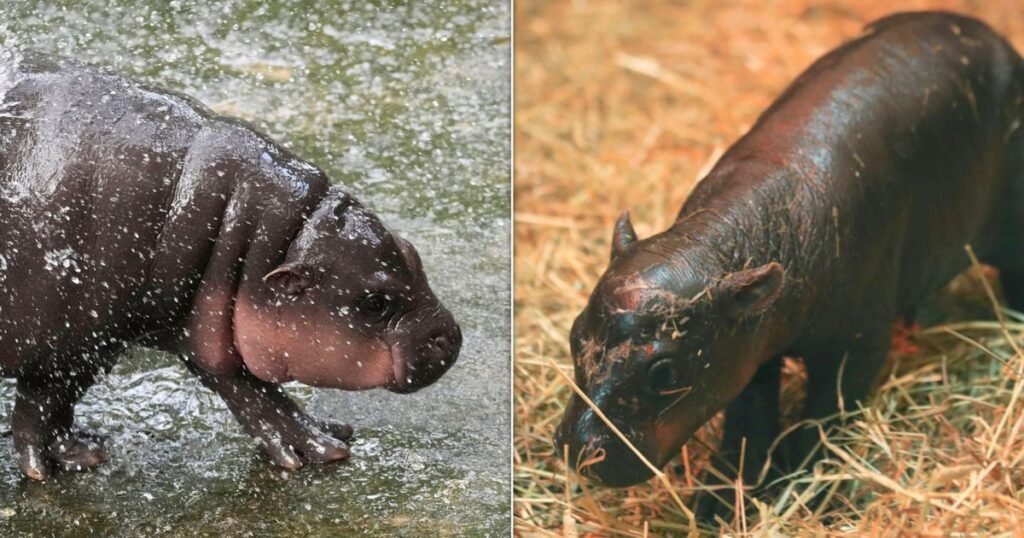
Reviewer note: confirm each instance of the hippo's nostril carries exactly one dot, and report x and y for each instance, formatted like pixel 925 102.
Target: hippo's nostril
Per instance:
pixel 440 343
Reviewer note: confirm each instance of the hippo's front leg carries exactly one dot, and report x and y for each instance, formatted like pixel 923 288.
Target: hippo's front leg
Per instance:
pixel 287 434
pixel 751 425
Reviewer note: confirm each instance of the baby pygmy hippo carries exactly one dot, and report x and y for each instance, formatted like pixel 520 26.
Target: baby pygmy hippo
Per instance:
pixel 130 215
pixel 849 201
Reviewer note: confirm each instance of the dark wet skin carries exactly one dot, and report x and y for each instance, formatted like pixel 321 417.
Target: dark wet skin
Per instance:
pixel 132 215
pixel 848 202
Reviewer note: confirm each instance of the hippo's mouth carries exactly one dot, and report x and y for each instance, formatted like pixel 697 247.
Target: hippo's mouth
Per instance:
pixel 402 384
pixel 418 363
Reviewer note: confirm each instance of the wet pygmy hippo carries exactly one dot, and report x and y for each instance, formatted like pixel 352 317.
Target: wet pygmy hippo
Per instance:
pixel 130 215
pixel 849 201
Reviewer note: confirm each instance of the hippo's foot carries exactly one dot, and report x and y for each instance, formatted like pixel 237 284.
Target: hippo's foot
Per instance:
pixel 710 511
pixel 338 430
pixel 294 439
pixel 721 511
pixel 78 451
pixel 290 437
pixel 42 424
pixel 73 451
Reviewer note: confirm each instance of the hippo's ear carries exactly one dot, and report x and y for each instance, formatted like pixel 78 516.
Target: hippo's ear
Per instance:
pixel 623 234
pixel 751 291
pixel 344 203
pixel 409 254
pixel 289 278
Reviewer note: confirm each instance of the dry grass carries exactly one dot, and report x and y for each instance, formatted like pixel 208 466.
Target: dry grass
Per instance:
pixel 623 105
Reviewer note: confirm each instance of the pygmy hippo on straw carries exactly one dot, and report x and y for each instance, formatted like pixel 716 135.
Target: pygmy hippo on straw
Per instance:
pixel 851 199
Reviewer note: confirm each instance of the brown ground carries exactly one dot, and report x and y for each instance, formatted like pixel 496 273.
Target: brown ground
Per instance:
pixel 623 105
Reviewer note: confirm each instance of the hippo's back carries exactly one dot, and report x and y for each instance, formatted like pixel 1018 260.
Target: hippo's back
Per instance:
pixel 89 168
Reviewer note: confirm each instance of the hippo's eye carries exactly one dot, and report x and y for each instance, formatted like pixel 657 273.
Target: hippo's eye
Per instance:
pixel 375 305
pixel 662 377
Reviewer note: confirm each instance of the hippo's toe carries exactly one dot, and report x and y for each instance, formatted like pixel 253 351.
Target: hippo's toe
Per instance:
pixel 33 463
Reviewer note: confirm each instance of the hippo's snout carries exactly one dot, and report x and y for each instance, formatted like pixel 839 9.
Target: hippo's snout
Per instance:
pixel 424 360
pixel 605 461
pixel 596 452
pixel 620 467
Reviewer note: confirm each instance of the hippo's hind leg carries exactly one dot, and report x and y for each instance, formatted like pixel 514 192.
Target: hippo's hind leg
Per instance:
pixel 289 436
pixel 43 419
pixel 751 425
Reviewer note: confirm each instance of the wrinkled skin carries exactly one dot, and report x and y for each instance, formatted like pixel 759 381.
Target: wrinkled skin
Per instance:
pixel 848 202
pixel 135 216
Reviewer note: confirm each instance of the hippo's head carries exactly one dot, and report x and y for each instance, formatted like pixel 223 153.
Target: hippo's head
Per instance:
pixel 349 308
pixel 661 346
